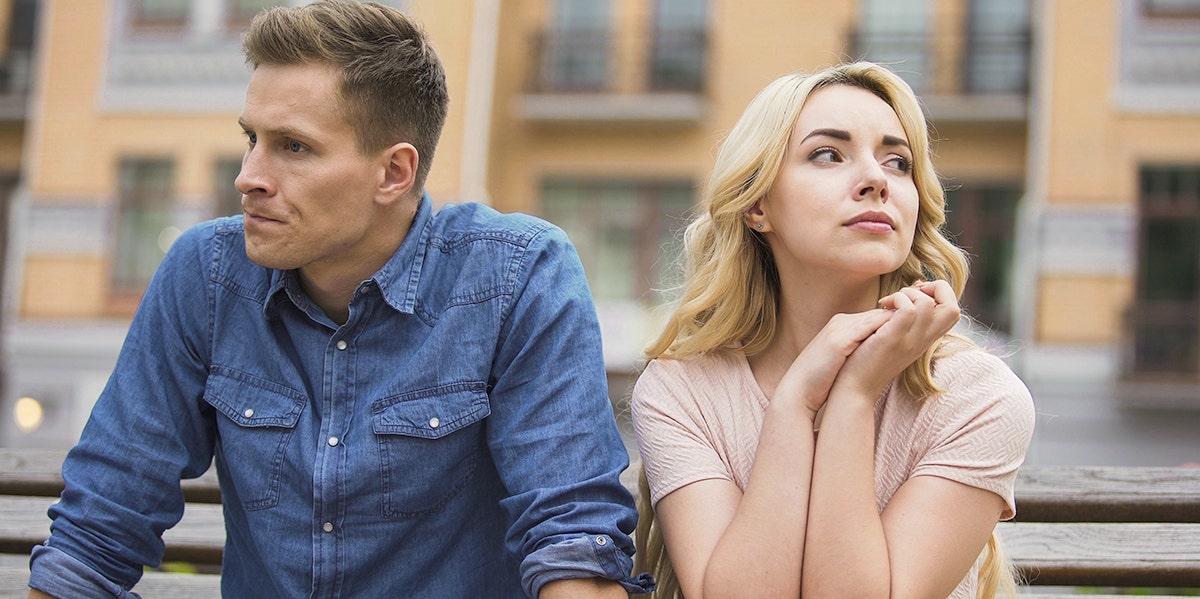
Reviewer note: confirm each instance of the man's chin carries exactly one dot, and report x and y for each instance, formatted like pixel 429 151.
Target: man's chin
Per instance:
pixel 266 258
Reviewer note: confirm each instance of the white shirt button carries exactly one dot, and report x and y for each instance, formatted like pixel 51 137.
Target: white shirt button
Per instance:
pixel 342 344
pixel 365 288
pixel 333 441
pixel 327 527
pixel 434 423
pixel 249 413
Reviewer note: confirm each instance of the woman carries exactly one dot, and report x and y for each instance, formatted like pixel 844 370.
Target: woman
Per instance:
pixel 807 423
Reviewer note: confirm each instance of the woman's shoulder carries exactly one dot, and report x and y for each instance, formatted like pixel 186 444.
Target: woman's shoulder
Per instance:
pixel 975 380
pixel 691 377
pixel 718 363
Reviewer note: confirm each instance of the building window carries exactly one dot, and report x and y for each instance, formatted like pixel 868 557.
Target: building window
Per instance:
pixel 1171 9
pixel 980 219
pixel 228 198
pixel 679 45
pixel 997 49
pixel 144 230
pixel 895 32
pixel 160 15
pixel 626 234
pixel 238 13
pixel 203 18
pixel 574 53
pixel 1165 317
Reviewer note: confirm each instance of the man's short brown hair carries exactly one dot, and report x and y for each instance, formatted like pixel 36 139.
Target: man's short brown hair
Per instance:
pixel 393 85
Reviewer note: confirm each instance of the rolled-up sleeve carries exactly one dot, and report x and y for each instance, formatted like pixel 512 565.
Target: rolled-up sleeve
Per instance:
pixel 145 433
pixel 552 431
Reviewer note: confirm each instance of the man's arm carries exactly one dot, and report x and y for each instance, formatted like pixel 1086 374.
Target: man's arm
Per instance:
pixel 552 432
pixel 583 588
pixel 146 431
pixel 36 594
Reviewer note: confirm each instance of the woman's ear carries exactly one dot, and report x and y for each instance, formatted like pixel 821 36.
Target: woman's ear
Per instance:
pixel 400 163
pixel 756 219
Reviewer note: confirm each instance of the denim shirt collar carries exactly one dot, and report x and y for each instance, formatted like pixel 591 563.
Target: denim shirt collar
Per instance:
pixel 397 279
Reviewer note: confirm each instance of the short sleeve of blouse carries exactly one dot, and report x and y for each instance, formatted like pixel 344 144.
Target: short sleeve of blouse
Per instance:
pixel 675 447
pixel 980 427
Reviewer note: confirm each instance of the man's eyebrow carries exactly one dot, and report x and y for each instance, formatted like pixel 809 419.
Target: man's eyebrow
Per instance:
pixel 284 131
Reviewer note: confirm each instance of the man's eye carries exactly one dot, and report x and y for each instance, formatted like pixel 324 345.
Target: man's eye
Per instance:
pixel 252 138
pixel 295 146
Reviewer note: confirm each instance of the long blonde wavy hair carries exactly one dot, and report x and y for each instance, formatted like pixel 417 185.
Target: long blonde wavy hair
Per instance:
pixel 731 292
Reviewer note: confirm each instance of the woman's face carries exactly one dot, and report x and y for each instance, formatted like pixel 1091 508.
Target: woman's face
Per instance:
pixel 844 203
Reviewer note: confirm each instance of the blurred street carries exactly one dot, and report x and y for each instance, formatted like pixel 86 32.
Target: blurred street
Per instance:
pixel 1088 424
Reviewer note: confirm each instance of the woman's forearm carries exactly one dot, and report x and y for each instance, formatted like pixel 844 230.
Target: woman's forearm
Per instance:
pixel 761 552
pixel 845 550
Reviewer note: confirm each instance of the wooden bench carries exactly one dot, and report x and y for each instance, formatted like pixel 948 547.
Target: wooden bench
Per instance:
pixel 31 480
pixel 1076 526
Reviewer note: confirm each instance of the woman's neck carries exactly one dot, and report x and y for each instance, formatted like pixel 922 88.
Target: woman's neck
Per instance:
pixel 805 307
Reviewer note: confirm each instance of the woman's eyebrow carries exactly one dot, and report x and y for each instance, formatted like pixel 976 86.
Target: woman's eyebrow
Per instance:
pixel 842 134
pixel 892 140
pixel 834 133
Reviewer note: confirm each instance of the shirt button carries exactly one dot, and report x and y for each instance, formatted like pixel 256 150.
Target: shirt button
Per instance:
pixel 327 527
pixel 601 541
pixel 249 413
pixel 342 344
pixel 333 441
pixel 365 288
pixel 434 422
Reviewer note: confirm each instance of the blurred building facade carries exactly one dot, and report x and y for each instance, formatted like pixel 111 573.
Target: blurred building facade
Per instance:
pixel 1065 132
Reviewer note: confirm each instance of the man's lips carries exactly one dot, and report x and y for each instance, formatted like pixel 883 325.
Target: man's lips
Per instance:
pixel 258 217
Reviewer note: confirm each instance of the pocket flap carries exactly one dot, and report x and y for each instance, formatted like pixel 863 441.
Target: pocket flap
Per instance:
pixel 431 413
pixel 251 401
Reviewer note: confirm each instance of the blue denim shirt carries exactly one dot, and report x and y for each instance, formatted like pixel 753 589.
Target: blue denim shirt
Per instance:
pixel 453 438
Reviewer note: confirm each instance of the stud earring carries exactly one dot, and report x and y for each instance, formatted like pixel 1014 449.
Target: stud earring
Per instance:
pixel 758 226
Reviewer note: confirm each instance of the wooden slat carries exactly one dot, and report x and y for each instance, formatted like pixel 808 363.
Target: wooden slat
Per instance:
pixel 39 472
pixel 154 585
pixel 1108 494
pixel 1044 493
pixel 1105 554
pixel 198 538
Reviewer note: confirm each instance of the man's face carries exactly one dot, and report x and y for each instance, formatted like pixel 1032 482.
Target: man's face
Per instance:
pixel 308 192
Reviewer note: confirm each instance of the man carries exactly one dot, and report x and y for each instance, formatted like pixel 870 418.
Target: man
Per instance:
pixel 400 404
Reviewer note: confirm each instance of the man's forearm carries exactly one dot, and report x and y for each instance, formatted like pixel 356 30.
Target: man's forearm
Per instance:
pixel 590 588
pixel 36 594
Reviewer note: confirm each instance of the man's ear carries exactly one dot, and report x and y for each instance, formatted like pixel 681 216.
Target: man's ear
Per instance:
pixel 400 163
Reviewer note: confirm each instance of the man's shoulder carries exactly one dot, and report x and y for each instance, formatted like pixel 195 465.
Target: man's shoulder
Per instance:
pixel 460 224
pixel 219 247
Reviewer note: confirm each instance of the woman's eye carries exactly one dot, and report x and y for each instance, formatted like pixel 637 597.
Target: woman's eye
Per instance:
pixel 824 155
pixel 251 138
pixel 900 163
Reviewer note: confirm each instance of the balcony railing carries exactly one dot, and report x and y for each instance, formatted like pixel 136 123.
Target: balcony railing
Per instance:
pixel 948 65
pixel 597 61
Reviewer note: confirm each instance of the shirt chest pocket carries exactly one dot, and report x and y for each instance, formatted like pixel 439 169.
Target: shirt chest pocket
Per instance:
pixel 255 425
pixel 430 443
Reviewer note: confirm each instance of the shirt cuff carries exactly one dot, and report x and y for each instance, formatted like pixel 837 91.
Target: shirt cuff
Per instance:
pixel 54 572
pixel 591 556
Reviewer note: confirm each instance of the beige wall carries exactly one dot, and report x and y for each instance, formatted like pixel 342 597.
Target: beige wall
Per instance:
pixel 748 48
pixel 448 24
pixel 1094 153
